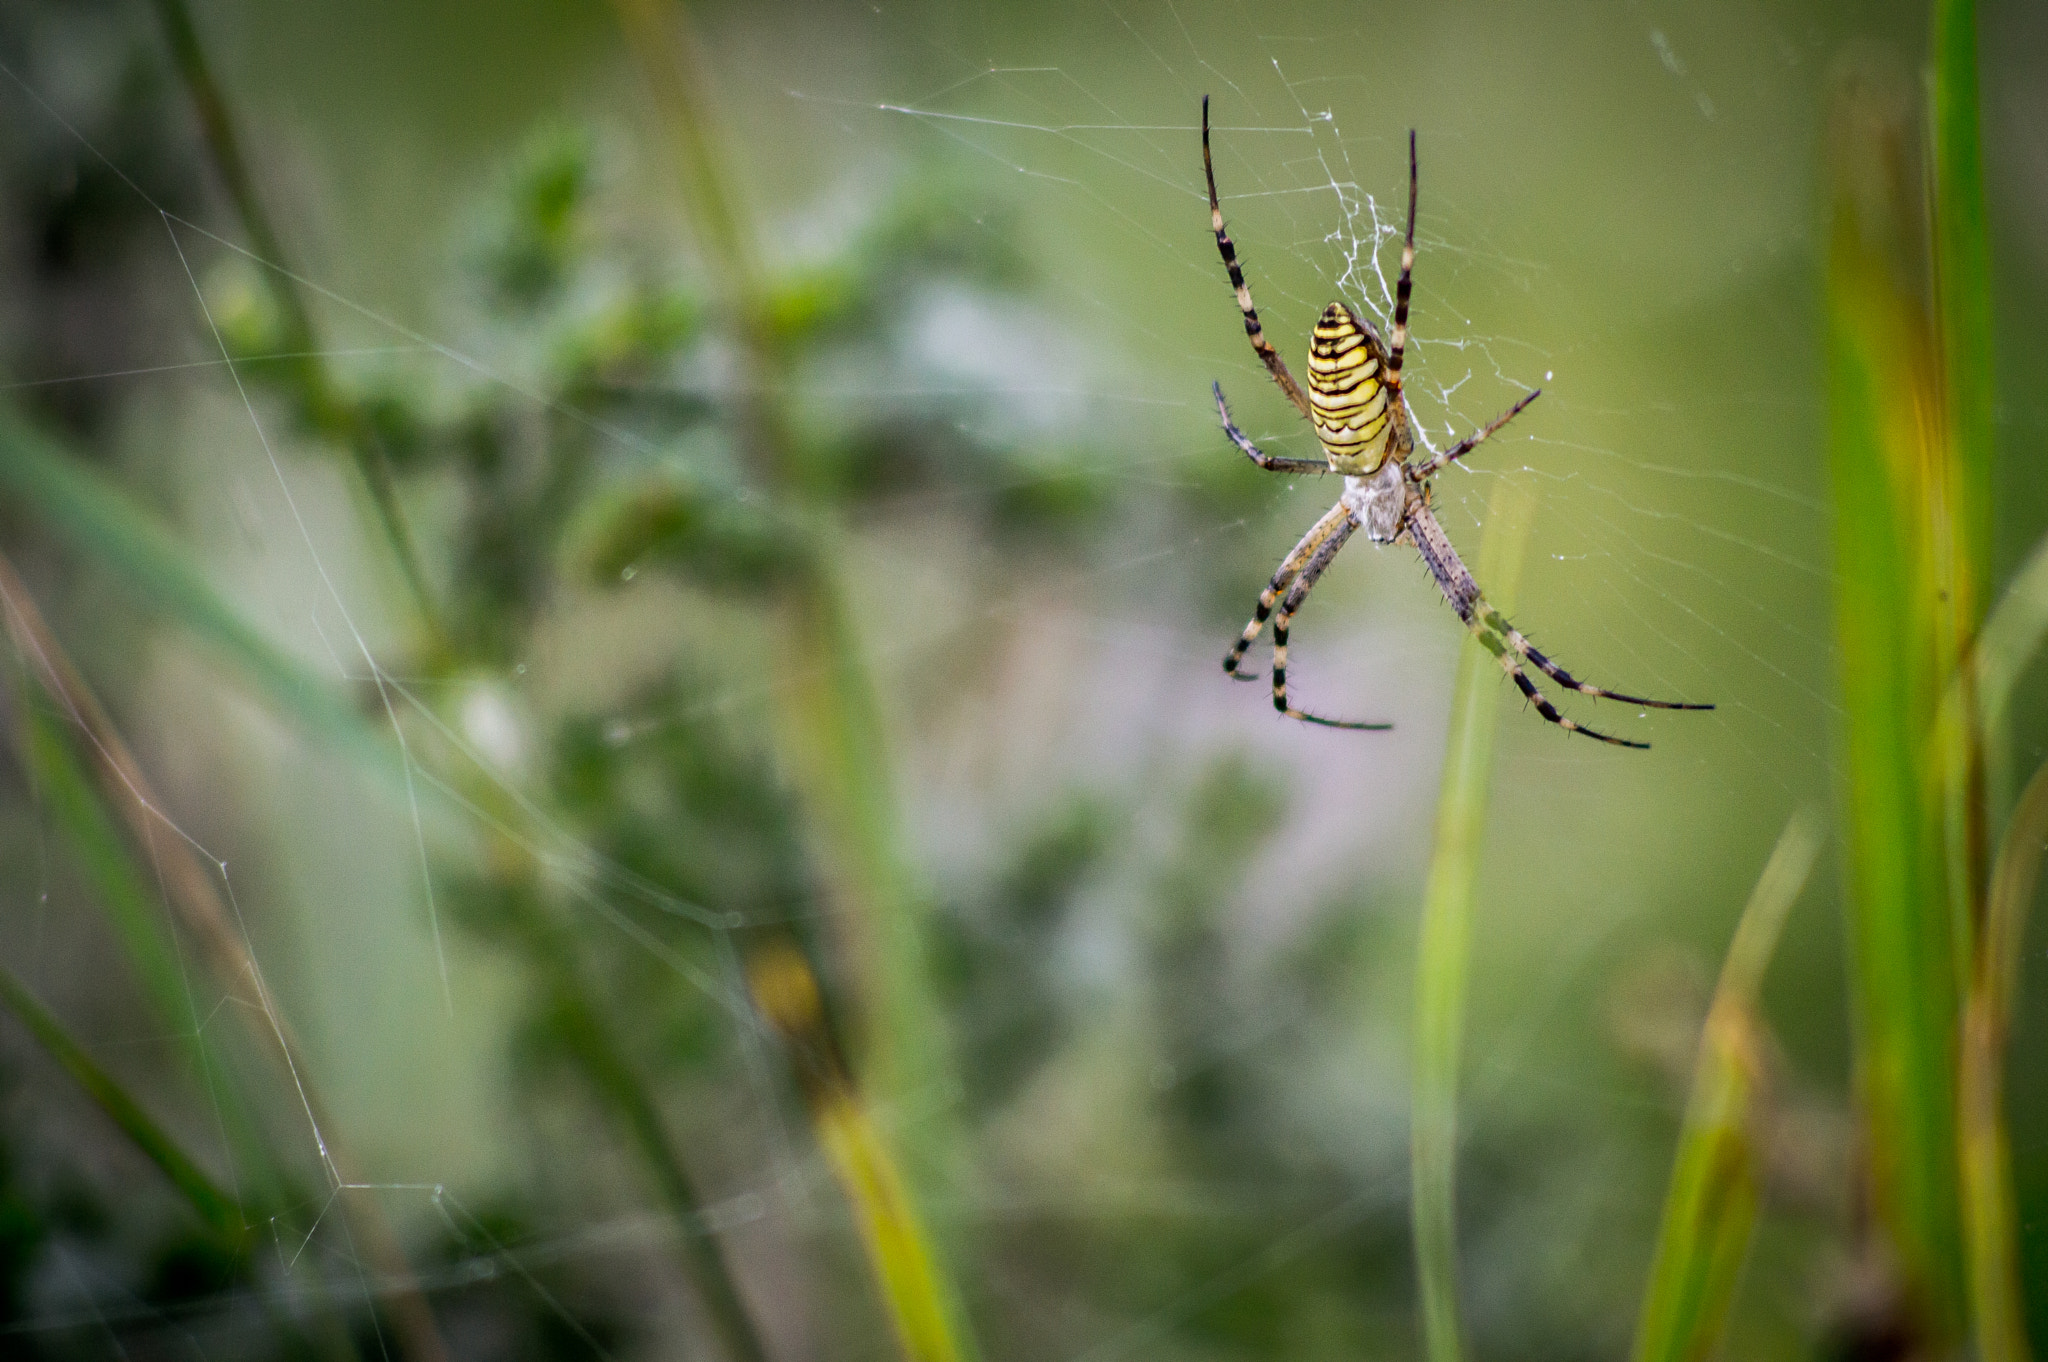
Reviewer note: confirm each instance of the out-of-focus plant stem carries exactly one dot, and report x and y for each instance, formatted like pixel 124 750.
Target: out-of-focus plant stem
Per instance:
pixel 1996 1301
pixel 833 736
pixel 299 342
pixel 190 890
pixel 1445 948
pixel 1905 581
pixel 214 1205
pixel 604 1064
pixel 899 1254
pixel 1711 1206
pixel 1993 919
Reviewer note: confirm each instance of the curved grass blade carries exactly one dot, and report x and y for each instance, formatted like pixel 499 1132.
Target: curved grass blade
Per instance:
pixel 218 1209
pixel 1996 1302
pixel 1711 1206
pixel 1444 948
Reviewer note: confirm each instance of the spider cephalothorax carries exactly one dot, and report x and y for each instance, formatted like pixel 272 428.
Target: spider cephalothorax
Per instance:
pixel 1354 402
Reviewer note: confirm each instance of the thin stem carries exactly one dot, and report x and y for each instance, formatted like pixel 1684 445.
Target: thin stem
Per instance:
pixel 1444 950
pixel 315 383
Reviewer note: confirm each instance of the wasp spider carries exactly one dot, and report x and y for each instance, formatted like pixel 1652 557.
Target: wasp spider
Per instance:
pixel 1354 403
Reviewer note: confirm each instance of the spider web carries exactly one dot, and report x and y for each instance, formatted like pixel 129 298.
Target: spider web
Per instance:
pixel 1645 261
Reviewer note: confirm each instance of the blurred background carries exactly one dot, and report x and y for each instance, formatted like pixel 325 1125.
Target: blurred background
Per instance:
pixel 570 511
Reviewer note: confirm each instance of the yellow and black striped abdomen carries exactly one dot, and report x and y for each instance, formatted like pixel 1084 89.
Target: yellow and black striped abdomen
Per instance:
pixel 1348 397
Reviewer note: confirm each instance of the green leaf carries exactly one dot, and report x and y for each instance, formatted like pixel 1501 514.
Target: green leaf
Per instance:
pixel 1712 1202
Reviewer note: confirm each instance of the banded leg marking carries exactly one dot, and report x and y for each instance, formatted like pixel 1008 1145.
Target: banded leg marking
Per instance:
pixel 1272 463
pixel 1530 652
pixel 1252 330
pixel 1502 639
pixel 1298 593
pixel 1290 567
pixel 1406 284
pixel 1425 471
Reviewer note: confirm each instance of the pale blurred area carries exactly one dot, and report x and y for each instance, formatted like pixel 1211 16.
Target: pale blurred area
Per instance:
pixel 1167 934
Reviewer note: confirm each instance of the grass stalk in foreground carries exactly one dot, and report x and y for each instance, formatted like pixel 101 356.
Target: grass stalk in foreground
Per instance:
pixel 218 1209
pixel 1997 1305
pixel 898 1251
pixel 1445 943
pixel 119 785
pixel 1901 579
pixel 1711 1206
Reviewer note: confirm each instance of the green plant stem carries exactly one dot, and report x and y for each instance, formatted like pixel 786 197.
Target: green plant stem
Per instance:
pixel 322 399
pixel 123 786
pixel 831 730
pixel 1898 580
pixel 603 1061
pixel 219 1210
pixel 1444 950
pixel 1996 1301
pixel 1711 1206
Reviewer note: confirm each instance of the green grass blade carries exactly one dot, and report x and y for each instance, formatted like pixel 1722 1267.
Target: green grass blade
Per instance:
pixel 215 1206
pixel 74 806
pixel 1962 282
pixel 1444 949
pixel 1996 1302
pixel 100 521
pixel 1712 1202
pixel 1896 649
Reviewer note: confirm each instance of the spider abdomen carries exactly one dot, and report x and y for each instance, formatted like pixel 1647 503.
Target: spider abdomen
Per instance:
pixel 1348 397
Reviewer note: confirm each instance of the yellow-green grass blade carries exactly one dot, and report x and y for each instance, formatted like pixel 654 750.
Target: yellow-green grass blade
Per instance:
pixel 1896 642
pixel 922 1304
pixel 1711 1206
pixel 219 1210
pixel 1996 1303
pixel 1444 947
pixel 829 723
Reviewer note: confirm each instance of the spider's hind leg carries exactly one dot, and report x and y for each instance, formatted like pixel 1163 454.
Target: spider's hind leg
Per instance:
pixel 1529 651
pixel 1290 568
pixel 1312 570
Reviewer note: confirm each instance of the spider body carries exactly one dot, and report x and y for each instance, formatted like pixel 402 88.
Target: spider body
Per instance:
pixel 1355 405
pixel 1349 401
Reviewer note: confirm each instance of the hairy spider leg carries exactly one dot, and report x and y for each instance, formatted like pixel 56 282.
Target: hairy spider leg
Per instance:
pixel 1274 364
pixel 1290 568
pixel 1423 472
pixel 1455 581
pixel 1272 463
pixel 1406 283
pixel 1305 583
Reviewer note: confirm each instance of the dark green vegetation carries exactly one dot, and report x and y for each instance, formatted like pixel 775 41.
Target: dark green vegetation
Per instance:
pixel 614 748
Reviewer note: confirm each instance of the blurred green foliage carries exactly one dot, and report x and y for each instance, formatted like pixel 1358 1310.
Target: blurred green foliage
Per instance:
pixel 1175 1098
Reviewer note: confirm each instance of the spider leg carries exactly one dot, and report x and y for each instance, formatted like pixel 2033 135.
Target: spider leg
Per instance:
pixel 1274 364
pixel 1283 577
pixel 1271 462
pixel 1529 651
pixel 1406 284
pixel 1310 572
pixel 1455 581
pixel 1424 472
